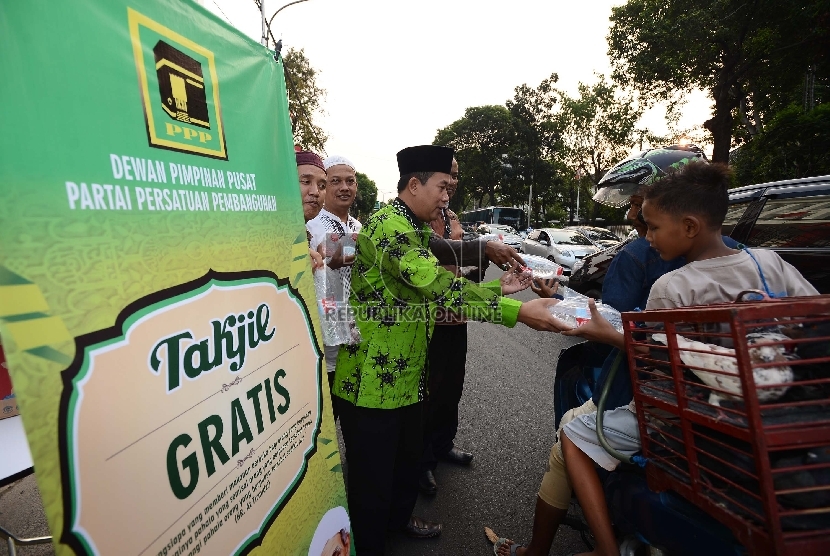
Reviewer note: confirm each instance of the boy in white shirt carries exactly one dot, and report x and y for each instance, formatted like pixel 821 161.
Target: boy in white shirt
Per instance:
pixel 684 213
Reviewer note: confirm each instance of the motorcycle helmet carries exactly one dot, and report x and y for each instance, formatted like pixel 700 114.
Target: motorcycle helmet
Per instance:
pixel 626 178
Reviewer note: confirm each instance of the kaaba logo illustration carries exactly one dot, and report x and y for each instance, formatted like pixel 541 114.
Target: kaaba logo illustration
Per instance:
pixel 179 89
pixel 181 86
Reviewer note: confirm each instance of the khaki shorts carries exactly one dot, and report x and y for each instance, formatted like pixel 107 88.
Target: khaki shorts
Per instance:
pixel 556 489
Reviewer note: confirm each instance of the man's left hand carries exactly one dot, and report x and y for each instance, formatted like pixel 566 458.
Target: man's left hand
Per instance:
pixel 515 279
pixel 501 254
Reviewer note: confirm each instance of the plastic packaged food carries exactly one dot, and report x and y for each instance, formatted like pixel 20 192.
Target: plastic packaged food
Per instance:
pixel 574 311
pixel 543 268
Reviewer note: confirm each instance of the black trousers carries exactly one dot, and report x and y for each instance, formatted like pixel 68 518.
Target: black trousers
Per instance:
pixel 383 449
pixel 447 362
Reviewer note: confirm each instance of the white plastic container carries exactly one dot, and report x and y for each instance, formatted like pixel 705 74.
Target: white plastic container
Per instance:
pixel 574 311
pixel 542 268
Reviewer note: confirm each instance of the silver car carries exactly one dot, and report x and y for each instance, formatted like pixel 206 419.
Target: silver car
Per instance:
pixel 601 237
pixel 565 247
pixel 507 234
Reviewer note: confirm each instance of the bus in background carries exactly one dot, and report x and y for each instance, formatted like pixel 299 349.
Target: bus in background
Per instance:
pixel 510 216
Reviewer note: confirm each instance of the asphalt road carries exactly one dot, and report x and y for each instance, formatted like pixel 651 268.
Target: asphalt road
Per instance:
pixel 506 421
pixel 21 512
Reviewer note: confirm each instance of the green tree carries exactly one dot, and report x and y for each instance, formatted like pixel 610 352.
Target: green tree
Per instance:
pixel 479 138
pixel 739 50
pixel 533 154
pixel 599 130
pixel 367 195
pixel 305 100
pixel 536 143
pixel 795 144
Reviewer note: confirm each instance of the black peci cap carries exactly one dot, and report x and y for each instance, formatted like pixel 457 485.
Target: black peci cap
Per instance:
pixel 425 158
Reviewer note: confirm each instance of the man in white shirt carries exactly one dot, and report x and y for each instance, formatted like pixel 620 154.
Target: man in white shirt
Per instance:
pixel 333 234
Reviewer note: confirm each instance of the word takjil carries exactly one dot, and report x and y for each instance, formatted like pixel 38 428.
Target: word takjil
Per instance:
pixel 232 336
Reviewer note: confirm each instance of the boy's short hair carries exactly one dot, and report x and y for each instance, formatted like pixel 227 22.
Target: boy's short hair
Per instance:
pixel 699 189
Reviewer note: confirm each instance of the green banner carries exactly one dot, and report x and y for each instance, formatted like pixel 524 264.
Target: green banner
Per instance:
pixel 156 299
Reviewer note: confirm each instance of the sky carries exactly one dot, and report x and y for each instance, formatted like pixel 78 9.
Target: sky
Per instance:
pixel 396 71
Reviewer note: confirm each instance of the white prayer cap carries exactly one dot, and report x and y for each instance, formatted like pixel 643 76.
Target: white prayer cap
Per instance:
pixel 333 521
pixel 336 159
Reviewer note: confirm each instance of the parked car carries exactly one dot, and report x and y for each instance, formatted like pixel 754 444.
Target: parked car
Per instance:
pixel 468 235
pixel 790 217
pixel 601 237
pixel 501 228
pixel 507 234
pixel 565 247
pixel 589 273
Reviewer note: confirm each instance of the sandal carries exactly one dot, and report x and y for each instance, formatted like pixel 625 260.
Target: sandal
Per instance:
pixel 499 542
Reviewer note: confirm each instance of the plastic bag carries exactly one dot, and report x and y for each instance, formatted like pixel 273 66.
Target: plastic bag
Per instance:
pixel 334 241
pixel 336 317
pixel 574 311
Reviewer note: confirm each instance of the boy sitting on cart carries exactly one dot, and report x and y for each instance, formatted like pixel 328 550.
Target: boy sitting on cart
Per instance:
pixel 684 213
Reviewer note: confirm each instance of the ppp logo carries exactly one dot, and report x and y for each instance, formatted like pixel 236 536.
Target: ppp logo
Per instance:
pixel 179 90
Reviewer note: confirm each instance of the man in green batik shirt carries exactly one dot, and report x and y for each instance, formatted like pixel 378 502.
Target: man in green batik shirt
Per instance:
pixel 381 383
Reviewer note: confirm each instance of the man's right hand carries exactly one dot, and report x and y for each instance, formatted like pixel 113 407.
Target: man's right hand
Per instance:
pixel 502 254
pixel 536 314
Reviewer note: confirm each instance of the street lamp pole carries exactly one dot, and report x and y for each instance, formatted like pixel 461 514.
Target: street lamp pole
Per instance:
pixel 266 28
pixel 264 39
pixel 530 201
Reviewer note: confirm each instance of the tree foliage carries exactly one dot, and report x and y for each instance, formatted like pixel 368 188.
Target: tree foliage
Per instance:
pixel 795 144
pixel 598 130
pixel 745 52
pixel 599 127
pixel 305 100
pixel 533 157
pixel 479 138
pixel 367 196
pixel 537 143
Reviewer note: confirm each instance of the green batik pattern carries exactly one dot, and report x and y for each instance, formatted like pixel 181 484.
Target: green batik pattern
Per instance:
pixel 397 284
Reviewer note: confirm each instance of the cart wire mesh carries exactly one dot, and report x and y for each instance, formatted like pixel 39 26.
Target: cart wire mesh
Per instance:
pixel 733 403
